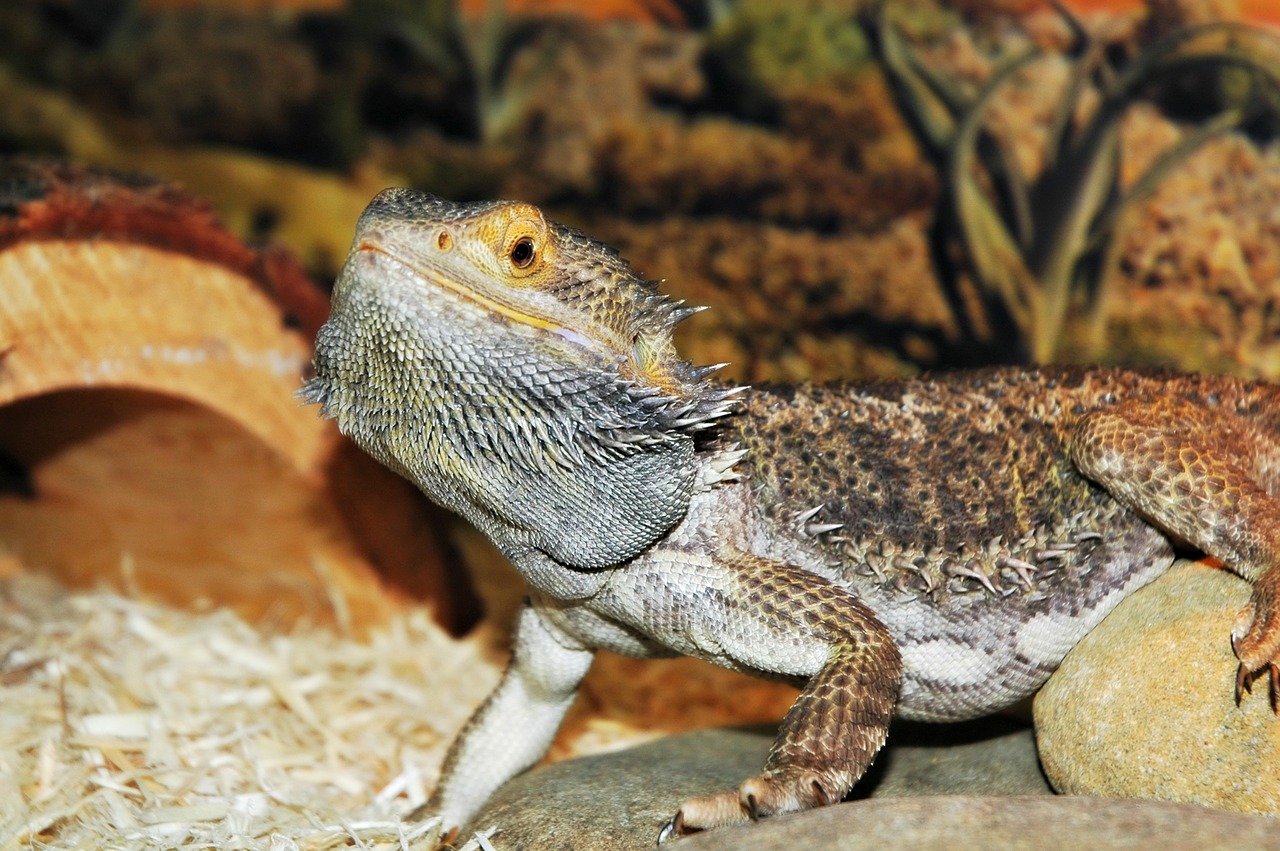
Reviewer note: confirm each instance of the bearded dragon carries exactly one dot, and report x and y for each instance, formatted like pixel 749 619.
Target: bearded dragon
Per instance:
pixel 929 547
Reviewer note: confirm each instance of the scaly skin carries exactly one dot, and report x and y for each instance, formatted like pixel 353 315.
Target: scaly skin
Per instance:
pixel 932 547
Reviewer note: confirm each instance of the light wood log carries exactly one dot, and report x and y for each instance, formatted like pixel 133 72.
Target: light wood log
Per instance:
pixel 149 435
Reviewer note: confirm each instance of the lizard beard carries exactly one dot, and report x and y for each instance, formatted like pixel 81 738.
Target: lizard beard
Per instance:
pixel 540 443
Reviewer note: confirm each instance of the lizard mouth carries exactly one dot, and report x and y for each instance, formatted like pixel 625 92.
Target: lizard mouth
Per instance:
pixel 440 279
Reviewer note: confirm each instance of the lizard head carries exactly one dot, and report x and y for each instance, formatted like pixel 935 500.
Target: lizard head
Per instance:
pixel 518 372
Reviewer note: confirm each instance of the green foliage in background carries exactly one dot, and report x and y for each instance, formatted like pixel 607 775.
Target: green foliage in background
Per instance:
pixel 1040 247
pixel 761 49
pixel 496 59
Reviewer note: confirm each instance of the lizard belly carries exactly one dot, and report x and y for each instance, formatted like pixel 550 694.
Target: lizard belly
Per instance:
pixel 970 655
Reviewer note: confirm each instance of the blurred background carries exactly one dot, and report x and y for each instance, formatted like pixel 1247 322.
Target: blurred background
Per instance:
pixel 763 157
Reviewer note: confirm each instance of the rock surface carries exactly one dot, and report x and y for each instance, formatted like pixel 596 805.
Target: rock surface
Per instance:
pixel 971 822
pixel 990 756
pixel 618 800
pixel 621 800
pixel 1144 706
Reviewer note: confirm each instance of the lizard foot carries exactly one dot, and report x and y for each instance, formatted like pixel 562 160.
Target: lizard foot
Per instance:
pixel 1256 639
pixel 448 840
pixel 767 794
pixel 438 837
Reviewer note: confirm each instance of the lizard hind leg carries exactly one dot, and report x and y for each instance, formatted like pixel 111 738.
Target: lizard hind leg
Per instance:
pixel 1200 474
pixel 838 722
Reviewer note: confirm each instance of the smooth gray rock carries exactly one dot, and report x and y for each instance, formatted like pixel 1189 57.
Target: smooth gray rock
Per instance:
pixel 621 800
pixel 991 756
pixel 618 800
pixel 959 823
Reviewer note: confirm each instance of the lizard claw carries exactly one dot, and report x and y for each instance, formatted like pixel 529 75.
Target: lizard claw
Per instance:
pixel 820 795
pixel 1256 643
pixel 1245 679
pixel 673 828
pixel 437 836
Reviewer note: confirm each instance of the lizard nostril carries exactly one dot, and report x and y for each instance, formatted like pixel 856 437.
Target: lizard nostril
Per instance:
pixel 444 240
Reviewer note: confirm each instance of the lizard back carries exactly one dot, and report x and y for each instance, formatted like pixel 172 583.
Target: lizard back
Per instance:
pixel 951 505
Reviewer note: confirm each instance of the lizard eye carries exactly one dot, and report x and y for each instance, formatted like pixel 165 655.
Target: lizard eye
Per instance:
pixel 523 253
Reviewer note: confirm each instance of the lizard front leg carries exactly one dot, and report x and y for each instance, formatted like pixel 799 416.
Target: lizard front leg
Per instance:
pixel 514 727
pixel 771 618
pixel 1196 472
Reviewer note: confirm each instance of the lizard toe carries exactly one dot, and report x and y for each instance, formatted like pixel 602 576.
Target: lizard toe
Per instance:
pixel 1256 642
pixel 784 791
pixel 703 813
pixel 767 794
pixel 762 796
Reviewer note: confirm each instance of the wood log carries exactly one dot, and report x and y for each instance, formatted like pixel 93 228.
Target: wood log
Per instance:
pixel 149 435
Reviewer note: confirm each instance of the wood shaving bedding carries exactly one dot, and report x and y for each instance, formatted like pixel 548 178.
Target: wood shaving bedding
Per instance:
pixel 130 725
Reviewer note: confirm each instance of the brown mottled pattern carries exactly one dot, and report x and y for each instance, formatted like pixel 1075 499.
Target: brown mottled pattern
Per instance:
pixel 998 495
pixel 952 462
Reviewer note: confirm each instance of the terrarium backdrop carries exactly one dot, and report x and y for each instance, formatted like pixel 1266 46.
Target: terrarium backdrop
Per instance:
pixel 855 192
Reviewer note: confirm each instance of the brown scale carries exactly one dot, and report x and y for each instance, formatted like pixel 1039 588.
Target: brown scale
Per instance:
pixel 959 482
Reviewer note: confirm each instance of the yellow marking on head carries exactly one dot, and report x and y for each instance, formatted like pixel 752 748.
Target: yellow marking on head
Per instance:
pixel 470 294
